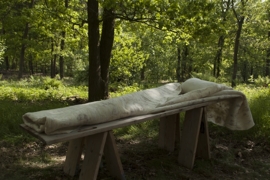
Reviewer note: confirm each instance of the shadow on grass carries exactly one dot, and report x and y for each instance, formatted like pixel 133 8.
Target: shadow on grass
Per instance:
pixel 141 159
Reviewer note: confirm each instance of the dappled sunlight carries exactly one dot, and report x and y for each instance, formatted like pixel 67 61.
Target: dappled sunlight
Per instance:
pixel 32 155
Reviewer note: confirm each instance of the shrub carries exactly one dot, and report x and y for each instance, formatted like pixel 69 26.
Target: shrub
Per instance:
pixel 81 77
pixel 260 81
pixel 51 83
pixel 120 90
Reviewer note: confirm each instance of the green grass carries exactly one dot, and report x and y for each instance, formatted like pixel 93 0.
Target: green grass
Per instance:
pixel 30 95
pixel 11 116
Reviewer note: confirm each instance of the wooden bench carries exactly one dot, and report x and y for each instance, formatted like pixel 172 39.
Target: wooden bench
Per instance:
pixel 99 140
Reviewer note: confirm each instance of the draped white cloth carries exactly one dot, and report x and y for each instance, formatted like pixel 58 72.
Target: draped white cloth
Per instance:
pixel 233 113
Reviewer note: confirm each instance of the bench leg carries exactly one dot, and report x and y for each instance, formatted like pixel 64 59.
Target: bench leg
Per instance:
pixel 168 132
pixel 203 148
pixel 192 138
pixel 94 146
pixel 73 156
pixel 112 158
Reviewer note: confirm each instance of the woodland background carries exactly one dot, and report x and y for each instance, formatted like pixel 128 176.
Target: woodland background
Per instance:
pixel 139 41
pixel 57 53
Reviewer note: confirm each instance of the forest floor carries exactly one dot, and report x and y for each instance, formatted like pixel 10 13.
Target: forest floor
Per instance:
pixel 141 159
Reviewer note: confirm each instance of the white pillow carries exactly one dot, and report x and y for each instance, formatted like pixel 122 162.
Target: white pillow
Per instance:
pixel 194 84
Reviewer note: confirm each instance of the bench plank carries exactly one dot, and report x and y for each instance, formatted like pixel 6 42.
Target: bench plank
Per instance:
pixel 98 128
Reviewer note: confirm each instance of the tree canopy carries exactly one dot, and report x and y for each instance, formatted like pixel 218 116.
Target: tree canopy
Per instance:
pixel 126 42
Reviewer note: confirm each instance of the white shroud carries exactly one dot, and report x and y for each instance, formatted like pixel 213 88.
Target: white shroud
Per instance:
pixel 233 113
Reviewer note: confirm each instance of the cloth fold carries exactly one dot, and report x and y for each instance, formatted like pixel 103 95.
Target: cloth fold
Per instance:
pixel 231 110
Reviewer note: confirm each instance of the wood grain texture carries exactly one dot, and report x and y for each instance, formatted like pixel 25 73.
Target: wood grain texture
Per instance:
pixel 112 158
pixel 167 132
pixel 94 146
pixel 189 137
pixel 203 147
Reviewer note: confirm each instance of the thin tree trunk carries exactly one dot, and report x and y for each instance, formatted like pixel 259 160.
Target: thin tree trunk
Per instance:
pixel 225 6
pixel 252 70
pixel 62 48
pixel 23 46
pixel 178 68
pixel 240 21
pixel 245 71
pixel 267 66
pixel 61 58
pixel 218 57
pixel 143 73
pixel 184 63
pixel 22 54
pixel 187 64
pixel 53 61
pixel 236 48
pixel 106 44
pixel 30 64
pixel 7 62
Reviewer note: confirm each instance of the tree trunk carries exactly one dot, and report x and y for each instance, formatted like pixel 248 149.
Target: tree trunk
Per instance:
pixel 61 58
pixel 240 21
pixel 236 48
pixel 245 71
pixel 30 64
pixel 94 84
pixel 251 70
pixel 22 54
pixel 23 46
pixel 106 44
pixel 53 59
pixel 178 68
pixel 184 63
pixel 142 74
pixel 6 62
pixel 218 58
pixel 267 64
pixel 7 66
pixel 99 51
pixel 62 48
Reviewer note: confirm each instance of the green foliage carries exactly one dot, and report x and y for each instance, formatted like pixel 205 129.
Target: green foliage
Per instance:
pixel 82 76
pixel 119 90
pixel 11 116
pixel 147 36
pixel 127 57
pixel 260 81
pixel 145 129
pixel 38 89
pixel 259 104
pixel 51 83
pixel 209 77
